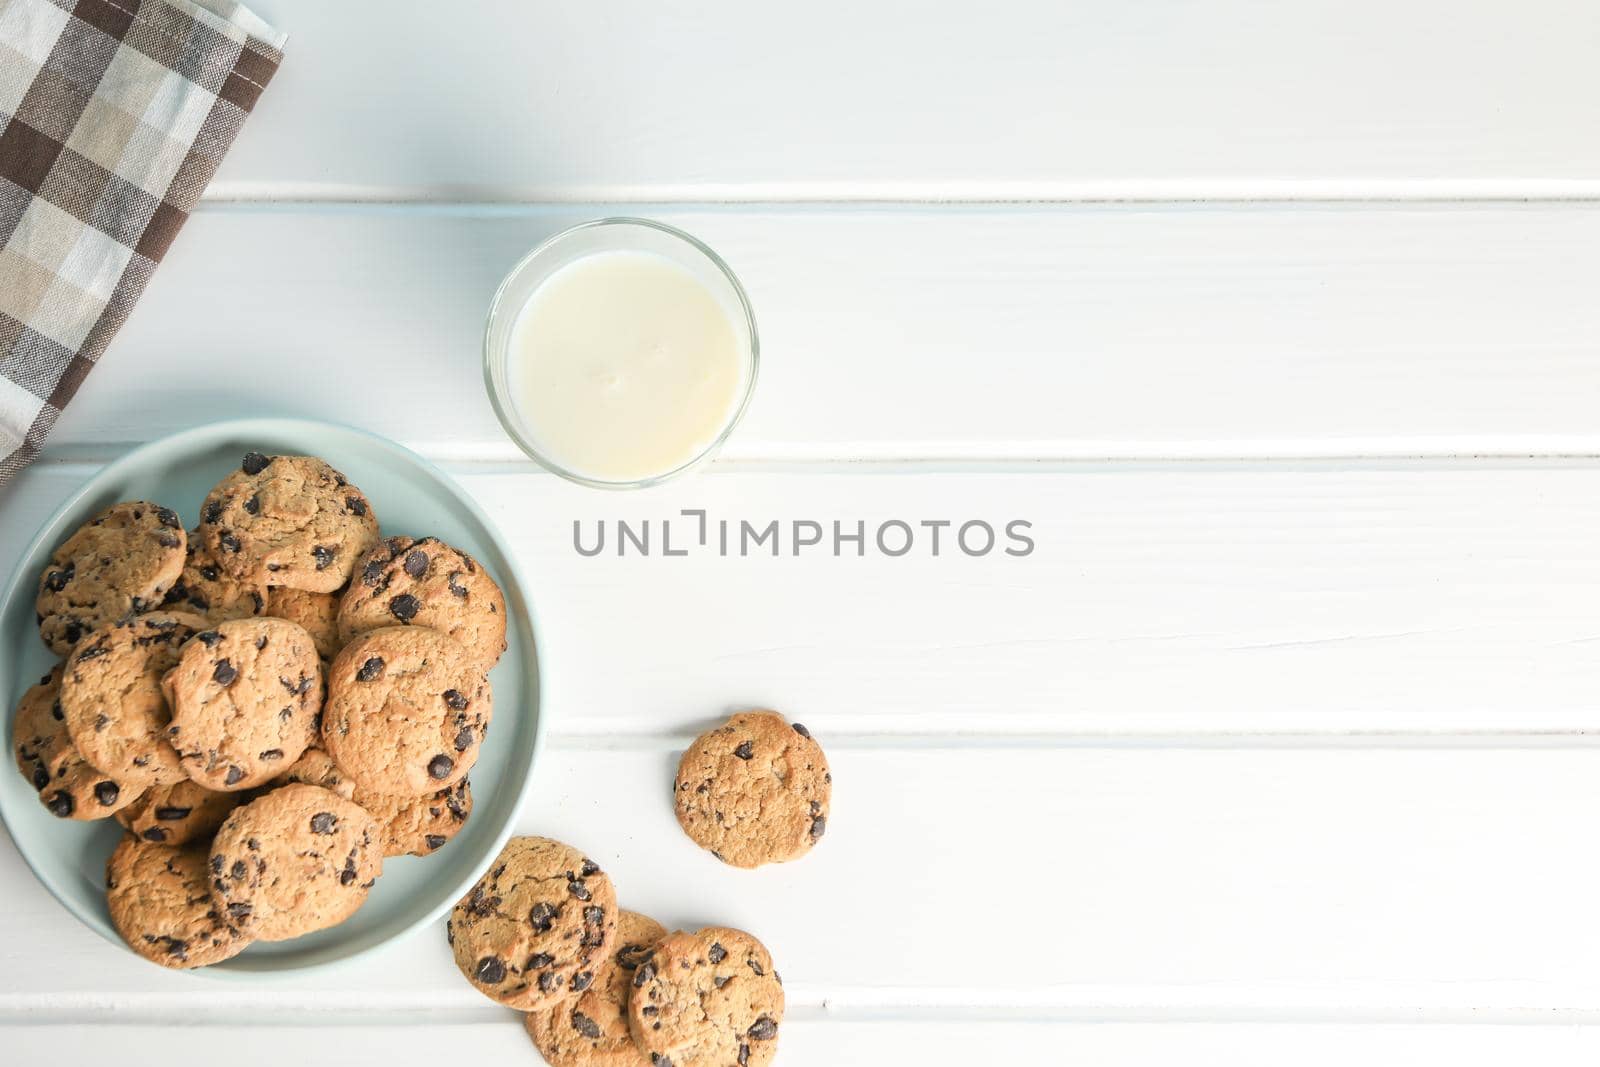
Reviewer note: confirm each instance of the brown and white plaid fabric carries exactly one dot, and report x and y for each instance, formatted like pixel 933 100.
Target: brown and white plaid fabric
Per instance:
pixel 114 114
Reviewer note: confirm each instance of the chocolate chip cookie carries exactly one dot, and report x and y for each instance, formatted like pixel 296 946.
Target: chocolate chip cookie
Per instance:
pixel 112 699
pixel 754 790
pixel 160 905
pixel 707 998
pixel 427 583
pixel 298 859
pixel 204 589
pixel 414 826
pixel 68 786
pixel 536 930
pixel 244 698
pixel 407 711
pixel 592 1031
pixel 115 566
pixel 288 520
pixel 178 814
pixel 318 613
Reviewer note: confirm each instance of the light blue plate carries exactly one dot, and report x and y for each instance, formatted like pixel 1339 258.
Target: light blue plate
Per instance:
pixel 411 497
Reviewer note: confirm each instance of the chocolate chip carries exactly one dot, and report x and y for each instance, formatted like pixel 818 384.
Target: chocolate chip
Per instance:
pixel 56 581
pixel 585 1026
pixel 754 966
pixel 323 555
pixel 372 573
pixel 107 792
pixel 541 915
pixel 168 517
pixel 578 889
pixel 41 777
pixel 744 1055
pixel 212 513
pixel 801 730
pixel 657 1059
pixel 581 981
pixel 441 766
pixel 630 956
pixel 255 462
pixel 745 750
pixel 355 505
pixel 433 841
pixel 60 804
pixel 717 953
pixel 208 637
pixel 721 980
pixel 642 976
pixel 818 825
pixel 270 754
pixel 491 970
pixel 154 833
pixel 454 700
pixel 234 776
pixel 323 822
pixel 231 543
pixel 548 981
pixel 464 739
pixel 73 632
pixel 346 876
pixel 539 960
pixel 763 1029
pixel 240 910
pixel 253 505
pixel 456 587
pixel 172 814
pixel 589 868
pixel 416 563
pixel 165 540
pixel 225 674
pixel 238 870
pixel 404 607
pixel 370 669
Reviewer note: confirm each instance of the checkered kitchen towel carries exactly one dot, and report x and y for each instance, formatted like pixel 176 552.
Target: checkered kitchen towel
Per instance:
pixel 114 114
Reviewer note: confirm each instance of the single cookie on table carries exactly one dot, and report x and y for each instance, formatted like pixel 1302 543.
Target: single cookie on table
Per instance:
pixel 115 566
pixel 178 814
pixel 244 698
pixel 318 613
pixel 160 904
pixel 300 858
pixel 112 699
pixel 755 790
pixel 707 998
pixel 409 826
pixel 536 930
pixel 592 1031
pixel 69 787
pixel 426 583
pixel 288 520
pixel 205 589
pixel 407 711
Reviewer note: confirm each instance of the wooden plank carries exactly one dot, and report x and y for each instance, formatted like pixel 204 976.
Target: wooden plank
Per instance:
pixel 1181 600
pixel 1077 884
pixel 1015 99
pixel 930 1043
pixel 1008 333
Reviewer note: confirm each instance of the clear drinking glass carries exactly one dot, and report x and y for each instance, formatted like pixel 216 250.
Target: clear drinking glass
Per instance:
pixel 610 235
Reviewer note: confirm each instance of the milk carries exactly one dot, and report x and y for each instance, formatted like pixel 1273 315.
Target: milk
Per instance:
pixel 623 366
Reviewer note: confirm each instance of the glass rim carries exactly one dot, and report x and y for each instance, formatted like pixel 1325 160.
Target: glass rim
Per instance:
pixel 503 408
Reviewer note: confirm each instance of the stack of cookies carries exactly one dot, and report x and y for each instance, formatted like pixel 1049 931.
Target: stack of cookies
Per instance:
pixel 601 987
pixel 271 704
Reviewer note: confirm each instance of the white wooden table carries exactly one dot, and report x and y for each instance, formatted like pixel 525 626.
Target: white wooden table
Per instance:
pixel 1278 322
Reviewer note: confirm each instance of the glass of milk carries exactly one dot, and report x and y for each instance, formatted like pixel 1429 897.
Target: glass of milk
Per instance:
pixel 620 353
